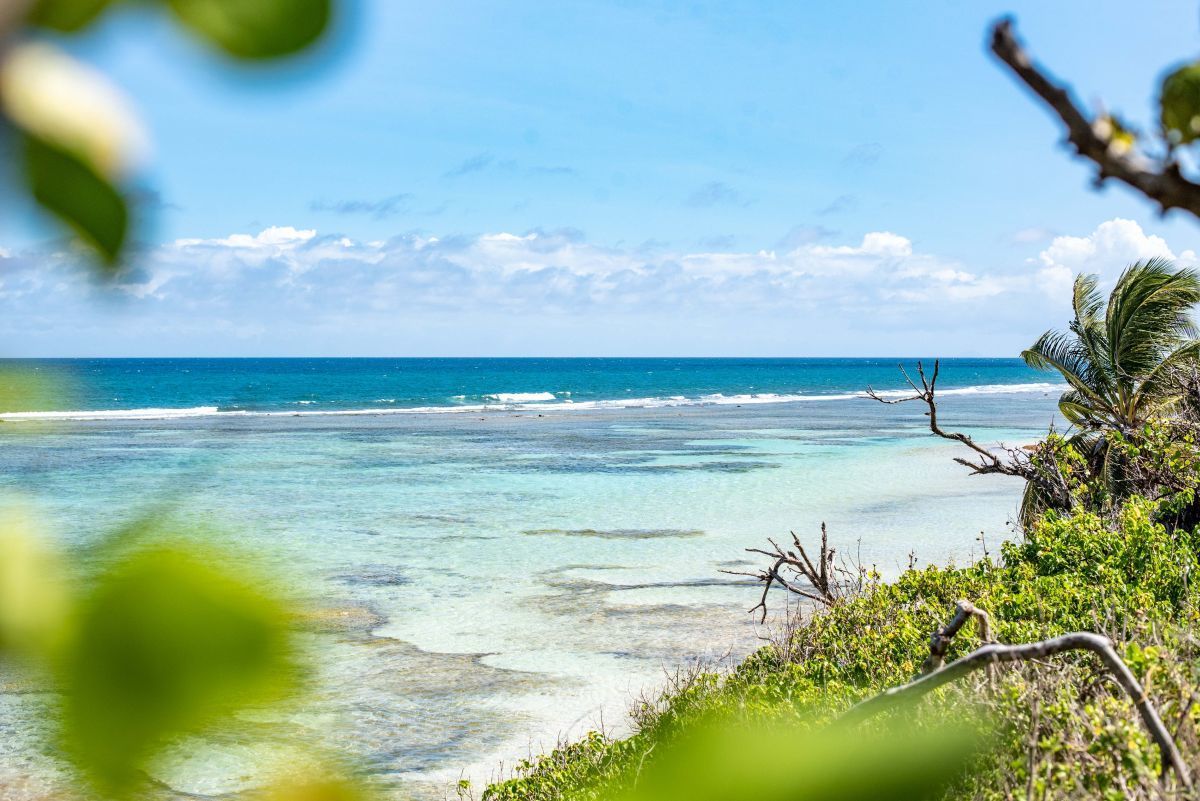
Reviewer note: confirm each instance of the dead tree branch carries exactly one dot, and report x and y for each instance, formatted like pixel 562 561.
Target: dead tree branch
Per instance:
pixel 1016 463
pixel 1093 138
pixel 1048 486
pixel 995 653
pixel 822 584
pixel 941 639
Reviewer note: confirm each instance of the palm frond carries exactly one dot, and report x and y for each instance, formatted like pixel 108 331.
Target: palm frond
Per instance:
pixel 1149 315
pixel 1077 410
pixel 1161 388
pixel 1066 354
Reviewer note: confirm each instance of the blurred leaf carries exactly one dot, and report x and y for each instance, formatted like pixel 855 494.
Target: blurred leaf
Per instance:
pixel 71 190
pixel 33 597
pixel 66 15
pixel 784 763
pixel 167 645
pixel 317 788
pixel 256 28
pixel 58 99
pixel 1180 104
pixel 24 389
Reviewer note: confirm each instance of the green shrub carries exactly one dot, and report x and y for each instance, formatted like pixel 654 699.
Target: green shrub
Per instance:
pixel 1125 573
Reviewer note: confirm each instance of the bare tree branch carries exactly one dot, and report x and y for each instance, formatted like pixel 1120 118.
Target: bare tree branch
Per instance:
pixel 941 639
pixel 1017 463
pixel 1092 138
pixel 823 588
pixel 995 653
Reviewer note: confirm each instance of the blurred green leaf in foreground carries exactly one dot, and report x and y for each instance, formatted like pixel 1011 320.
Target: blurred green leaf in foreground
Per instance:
pixel 892 761
pixel 166 644
pixel 34 605
pixel 256 29
pixel 165 640
pixel 24 389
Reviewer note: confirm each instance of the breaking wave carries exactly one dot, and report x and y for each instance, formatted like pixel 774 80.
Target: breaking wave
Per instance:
pixel 514 402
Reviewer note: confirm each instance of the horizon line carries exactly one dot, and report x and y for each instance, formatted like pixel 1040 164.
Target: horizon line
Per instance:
pixel 485 356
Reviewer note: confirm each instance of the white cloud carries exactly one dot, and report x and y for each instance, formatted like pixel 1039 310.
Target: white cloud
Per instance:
pixel 277 236
pixel 1106 251
pixel 882 290
pixel 282 267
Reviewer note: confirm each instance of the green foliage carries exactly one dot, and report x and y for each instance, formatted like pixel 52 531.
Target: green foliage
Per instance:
pixel 33 597
pixel 1179 104
pixel 161 639
pixel 66 15
pixel 1125 572
pixel 23 388
pixel 1123 360
pixel 166 645
pixel 1117 356
pixel 719 761
pixel 256 29
pixel 326 786
pixel 68 187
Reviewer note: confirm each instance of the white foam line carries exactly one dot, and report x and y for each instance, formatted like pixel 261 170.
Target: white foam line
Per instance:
pixel 532 401
pixel 115 414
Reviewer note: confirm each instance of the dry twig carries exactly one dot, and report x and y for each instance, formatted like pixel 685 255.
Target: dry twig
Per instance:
pixel 823 586
pixel 1041 471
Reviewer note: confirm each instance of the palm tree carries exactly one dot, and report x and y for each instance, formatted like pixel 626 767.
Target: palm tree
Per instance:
pixel 1120 358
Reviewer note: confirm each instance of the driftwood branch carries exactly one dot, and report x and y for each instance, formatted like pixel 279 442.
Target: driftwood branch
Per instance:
pixel 940 641
pixel 1093 138
pixel 995 653
pixel 822 587
pixel 1015 462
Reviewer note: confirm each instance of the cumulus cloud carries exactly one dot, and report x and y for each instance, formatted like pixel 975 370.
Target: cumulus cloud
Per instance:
pixel 557 269
pixel 879 289
pixel 1105 251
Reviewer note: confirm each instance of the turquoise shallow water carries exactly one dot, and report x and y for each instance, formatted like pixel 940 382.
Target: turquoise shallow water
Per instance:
pixel 506 575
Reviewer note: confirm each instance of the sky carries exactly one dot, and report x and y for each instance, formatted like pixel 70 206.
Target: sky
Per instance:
pixel 608 178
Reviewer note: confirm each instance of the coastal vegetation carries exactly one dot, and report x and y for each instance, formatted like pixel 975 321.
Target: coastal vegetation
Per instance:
pixel 1109 547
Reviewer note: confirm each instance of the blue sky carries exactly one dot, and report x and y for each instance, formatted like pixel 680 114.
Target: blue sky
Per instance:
pixel 543 178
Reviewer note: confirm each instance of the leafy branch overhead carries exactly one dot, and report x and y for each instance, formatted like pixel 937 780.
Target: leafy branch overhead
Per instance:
pixel 1149 164
pixel 76 135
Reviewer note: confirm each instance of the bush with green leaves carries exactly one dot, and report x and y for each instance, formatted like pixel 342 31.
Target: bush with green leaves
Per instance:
pixel 1129 576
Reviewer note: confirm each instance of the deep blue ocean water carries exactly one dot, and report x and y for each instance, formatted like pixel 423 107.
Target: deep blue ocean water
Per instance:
pixel 206 386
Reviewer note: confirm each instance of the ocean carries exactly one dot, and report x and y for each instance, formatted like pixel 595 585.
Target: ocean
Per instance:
pixel 503 552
